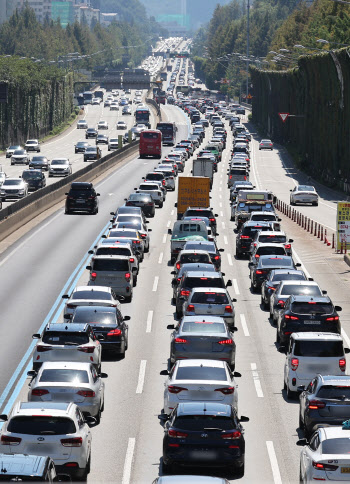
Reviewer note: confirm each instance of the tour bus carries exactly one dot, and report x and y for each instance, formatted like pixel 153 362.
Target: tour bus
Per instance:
pixel 168 133
pixel 150 143
pixel 142 115
pixel 88 95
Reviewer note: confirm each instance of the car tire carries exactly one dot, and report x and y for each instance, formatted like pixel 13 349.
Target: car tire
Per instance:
pixel 315 204
pixel 134 282
pixel 278 338
pixel 98 417
pixel 128 299
pixel 147 250
pixel 67 212
pixel 160 205
pixel 238 254
pixel 292 203
pixel 263 303
pixel 87 470
pixel 167 468
pixel 290 394
pixel 301 423
pixel 252 286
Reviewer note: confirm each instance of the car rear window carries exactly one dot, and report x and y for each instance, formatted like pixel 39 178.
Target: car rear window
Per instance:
pixel 132 234
pixel 95 295
pixel 151 186
pixel 271 250
pixel 65 376
pixel 201 373
pixel 113 251
pixel 263 217
pixel 202 422
pixel 209 298
pixel 297 289
pixel 336 446
pixel 128 225
pixel 318 348
pixel 208 246
pixel 279 262
pixel 251 231
pixel 238 171
pixel 193 258
pixel 155 176
pixel 336 392
pixel 203 327
pixel 110 265
pixel 56 338
pixel 191 282
pixel 45 425
pixel 276 239
pixel 288 277
pixel 199 213
pixel 150 135
pixel 312 308
pixel 93 317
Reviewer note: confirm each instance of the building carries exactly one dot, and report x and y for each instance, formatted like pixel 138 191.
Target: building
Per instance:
pixel 107 18
pixel 84 13
pixel 64 11
pixel 42 8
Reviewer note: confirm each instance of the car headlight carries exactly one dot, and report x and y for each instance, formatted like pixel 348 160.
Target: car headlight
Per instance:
pixel 2 192
pixel 21 191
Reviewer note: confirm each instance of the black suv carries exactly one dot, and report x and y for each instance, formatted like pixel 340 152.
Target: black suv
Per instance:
pixel 35 179
pixel 246 235
pixel 305 313
pixel 203 212
pixel 208 246
pixel 82 197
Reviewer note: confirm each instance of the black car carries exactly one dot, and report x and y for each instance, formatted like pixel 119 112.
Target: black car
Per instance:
pixel 91 133
pixel 108 325
pixel 274 278
pixel 82 197
pixel 204 435
pixel 246 235
pixel 203 212
pixel 305 313
pixel 81 146
pixel 142 200
pixel 35 179
pixel 102 139
pixel 209 247
pixel 39 162
pixel 260 269
pixel 92 153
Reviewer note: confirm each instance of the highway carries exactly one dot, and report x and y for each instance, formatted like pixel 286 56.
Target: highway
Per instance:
pixel 50 259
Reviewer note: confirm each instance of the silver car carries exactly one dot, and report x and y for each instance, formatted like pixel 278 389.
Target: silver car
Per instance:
pixel 69 382
pixel 266 144
pixel 207 337
pixel 210 301
pixel 304 194
pixel 89 296
pixel 134 222
pixel 119 249
pixel 60 167
pixel 13 188
pixel 153 190
pixel 19 156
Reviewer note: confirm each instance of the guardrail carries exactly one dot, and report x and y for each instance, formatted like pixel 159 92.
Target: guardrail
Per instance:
pixel 155 106
pixel 22 211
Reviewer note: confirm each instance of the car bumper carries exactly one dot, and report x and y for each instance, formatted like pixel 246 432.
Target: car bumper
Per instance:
pixel 203 456
pixel 225 355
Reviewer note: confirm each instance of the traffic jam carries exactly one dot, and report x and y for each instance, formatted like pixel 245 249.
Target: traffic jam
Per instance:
pixel 202 415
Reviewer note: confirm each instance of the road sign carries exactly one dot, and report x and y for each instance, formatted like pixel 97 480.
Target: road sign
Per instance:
pixel 343 225
pixel 283 116
pixel 249 96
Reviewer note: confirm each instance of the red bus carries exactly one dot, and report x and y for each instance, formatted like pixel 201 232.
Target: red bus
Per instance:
pixel 168 132
pixel 150 143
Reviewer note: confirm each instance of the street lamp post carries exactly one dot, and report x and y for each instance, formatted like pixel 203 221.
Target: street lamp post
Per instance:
pixel 247 81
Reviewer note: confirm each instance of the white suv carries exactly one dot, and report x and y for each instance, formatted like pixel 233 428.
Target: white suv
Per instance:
pixel 309 354
pixel 58 430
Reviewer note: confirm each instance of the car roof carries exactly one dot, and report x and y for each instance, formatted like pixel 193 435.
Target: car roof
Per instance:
pixel 256 223
pixel 28 407
pixel 286 271
pixel 201 318
pixel 271 233
pixel 193 251
pixel 67 328
pixel 201 362
pixel 298 283
pixel 268 244
pixel 111 257
pixel 209 289
pixel 204 408
pixel 185 479
pixel 313 336
pixel 92 288
pixel 334 433
pixel 212 275
pixel 65 365
pixel 22 464
pixel 334 380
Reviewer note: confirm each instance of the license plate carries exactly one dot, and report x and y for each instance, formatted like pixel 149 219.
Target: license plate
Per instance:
pixel 345 470
pixel 312 322
pixel 149 146
pixel 80 201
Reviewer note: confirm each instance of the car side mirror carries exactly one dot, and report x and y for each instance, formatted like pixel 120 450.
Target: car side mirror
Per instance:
pixel 338 308
pixel 127 318
pixel 216 215
pixel 164 372
pixel 233 329
pixel 149 230
pixel 67 316
pixel 279 220
pixel 170 326
pixel 164 417
pixel 236 374
pixel 98 194
pixel 104 236
pixel 250 264
pixel 173 273
pixel 216 234
pixel 135 188
pixel 302 442
pixel 31 373
pixel 324 292
pixel 298 264
pixel 103 375
pixel 89 419
pixel 290 240
pixel 282 349
pixel 221 250
pixel 3 417
pixel 170 231
pixel 301 388
pixel 62 478
pixel 243 419
pixel 88 268
pixel 310 279
pixel 290 190
pixel 346 351
pixel 89 252
pixel 233 299
pixel 36 336
pixel 113 213
pixel 65 296
pixel 66 193
pixel 223 274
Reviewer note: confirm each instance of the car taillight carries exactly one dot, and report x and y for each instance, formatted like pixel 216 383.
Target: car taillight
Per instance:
pixel 180 340
pixel 93 276
pixel 342 364
pixel 178 265
pixel 324 467
pixel 245 178
pixel 175 389
pixel 225 390
pixel 86 393
pixel 114 332
pixel 143 236
pixel 217 257
pixel 287 246
pixel 230 177
pixel 190 308
pixel 228 309
pixel 163 182
pixel 71 306
pixel 212 219
pixel 281 303
pixel 73 442
pixel 258 271
pixel 127 276
pixel 293 318
pixel 7 440
pixel 316 404
pixel 333 318
pixel 226 342
pixel 257 256
pixel 177 434
pixel 294 363
pixel 39 392
pixel 232 435
pixel 244 236
pixel 184 293
pixel 132 260
pixel 42 348
pixel 86 349
pixel 137 242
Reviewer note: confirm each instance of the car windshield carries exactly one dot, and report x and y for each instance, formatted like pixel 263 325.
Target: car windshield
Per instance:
pixel 297 289
pixel 92 295
pixel 59 162
pixel 201 327
pixel 336 446
pixel 311 307
pixel 192 258
pixel 58 338
pixel 201 373
pixel 336 392
pixel 31 142
pixel 318 348
pixel 19 152
pixel 65 376
pixel 31 175
pixel 192 282
pixel 209 298
pixel 41 425
pixel 13 147
pixel 305 188
pixel 202 422
pixel 128 225
pixel 12 182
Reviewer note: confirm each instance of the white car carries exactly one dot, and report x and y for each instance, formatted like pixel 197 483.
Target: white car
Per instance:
pixel 82 124
pixel 67 342
pixel 327 456
pixel 114 106
pixel 113 144
pixel 32 145
pixel 121 125
pixel 69 382
pixel 310 353
pixel 60 167
pixel 20 156
pixel 11 149
pixel 58 430
pixel 153 190
pixel 200 380
pixel 13 188
pixel 96 101
pixel 102 125
pixel 3 177
pixel 304 194
pixel 89 296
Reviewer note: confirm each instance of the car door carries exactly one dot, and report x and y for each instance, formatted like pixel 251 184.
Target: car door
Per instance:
pixel 85 433
pixel 309 453
pixel 97 383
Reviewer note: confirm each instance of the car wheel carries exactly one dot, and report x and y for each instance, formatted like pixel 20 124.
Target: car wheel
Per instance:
pixel 128 299
pixel 315 204
pixel 291 202
pixel 167 468
pixel 252 286
pixel 263 303
pixel 67 212
pixel 87 470
pixel 238 254
pixel 290 394
pixel 301 423
pixel 98 416
pixel 160 205
pixel 278 338
pixel 147 250
pixel 134 281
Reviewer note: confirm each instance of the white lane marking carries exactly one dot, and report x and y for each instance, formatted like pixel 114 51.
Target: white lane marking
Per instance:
pixel 160 260
pixel 244 325
pixel 149 322
pixel 141 379
pixel 256 380
pixel 300 262
pixel 221 212
pixel 220 203
pixel 225 240
pixel 168 224
pixel 128 460
pixel 223 225
pixel 28 239
pixel 235 286
pixel 220 182
pixel 164 238
pixel 274 463
pixel 172 212
pixel 155 283
pixel 230 260
pixel 220 196
pixel 346 337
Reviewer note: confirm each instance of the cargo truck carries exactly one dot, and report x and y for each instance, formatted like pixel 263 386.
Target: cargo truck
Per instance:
pixel 192 192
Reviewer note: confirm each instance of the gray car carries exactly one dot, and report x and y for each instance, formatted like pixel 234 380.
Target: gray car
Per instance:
pixel 190 267
pixel 206 337
pixel 210 301
pixel 137 223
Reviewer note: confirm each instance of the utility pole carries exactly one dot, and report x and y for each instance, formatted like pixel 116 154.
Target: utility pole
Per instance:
pixel 247 86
